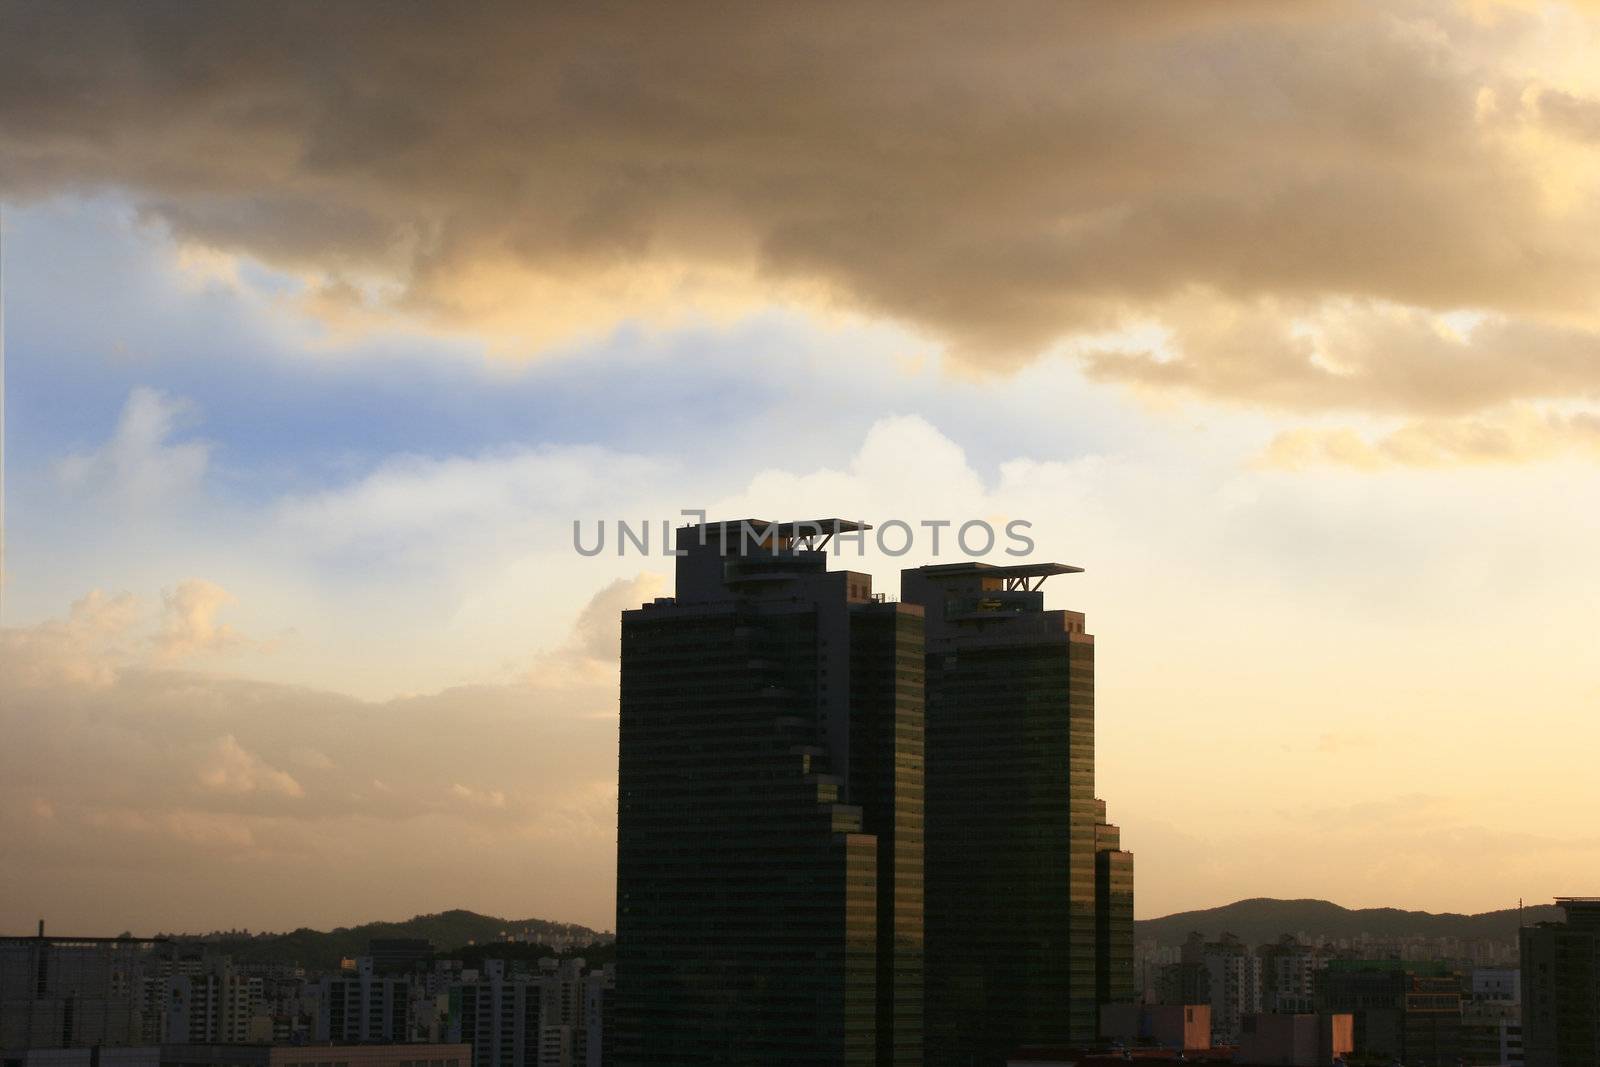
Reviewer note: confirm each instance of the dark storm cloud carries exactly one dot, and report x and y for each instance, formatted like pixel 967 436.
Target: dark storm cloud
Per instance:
pixel 999 179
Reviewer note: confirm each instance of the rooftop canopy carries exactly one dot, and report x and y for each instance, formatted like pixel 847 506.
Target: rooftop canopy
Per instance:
pixel 989 570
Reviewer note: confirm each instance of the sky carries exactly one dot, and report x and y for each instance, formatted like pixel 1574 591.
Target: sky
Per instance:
pixel 325 324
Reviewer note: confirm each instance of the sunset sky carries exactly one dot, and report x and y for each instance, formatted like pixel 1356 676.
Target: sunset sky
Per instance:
pixel 324 325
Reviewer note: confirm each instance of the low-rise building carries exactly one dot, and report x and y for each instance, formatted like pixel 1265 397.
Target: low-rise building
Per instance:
pixel 1299 1040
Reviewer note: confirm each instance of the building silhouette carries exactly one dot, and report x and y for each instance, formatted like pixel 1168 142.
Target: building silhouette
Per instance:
pixel 1029 895
pixel 769 853
pixel 1561 988
pixel 813 778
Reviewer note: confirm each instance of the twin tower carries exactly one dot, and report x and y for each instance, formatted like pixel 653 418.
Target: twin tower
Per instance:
pixel 856 831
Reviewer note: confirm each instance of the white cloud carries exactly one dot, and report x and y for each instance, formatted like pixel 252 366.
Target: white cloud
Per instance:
pixel 141 463
pixel 411 502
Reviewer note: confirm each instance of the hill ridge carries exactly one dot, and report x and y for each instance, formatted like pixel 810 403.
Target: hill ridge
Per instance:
pixel 1262 919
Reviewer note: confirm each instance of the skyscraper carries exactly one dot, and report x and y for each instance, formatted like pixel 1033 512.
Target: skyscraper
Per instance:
pixel 1029 897
pixel 769 854
pixel 772 860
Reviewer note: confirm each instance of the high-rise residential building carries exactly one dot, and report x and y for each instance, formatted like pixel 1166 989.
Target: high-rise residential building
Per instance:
pixel 1491 1018
pixel 1028 893
pixel 599 989
pixel 549 1017
pixel 207 1000
pixel 1561 988
pixel 497 1014
pixel 769 855
pixel 1225 974
pixel 1288 975
pixel 365 1007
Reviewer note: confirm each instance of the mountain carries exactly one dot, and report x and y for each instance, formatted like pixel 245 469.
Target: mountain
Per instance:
pixel 1264 919
pixel 448 930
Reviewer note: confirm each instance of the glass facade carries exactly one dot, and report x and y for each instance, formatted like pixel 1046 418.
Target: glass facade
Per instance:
pixel 769 818
pixel 886 743
pixel 1113 939
pixel 852 831
pixel 1028 928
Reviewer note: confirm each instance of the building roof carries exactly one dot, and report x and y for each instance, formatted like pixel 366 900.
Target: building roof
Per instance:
pixel 788 529
pixel 989 570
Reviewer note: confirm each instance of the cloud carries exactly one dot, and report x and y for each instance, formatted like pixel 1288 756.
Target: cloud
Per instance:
pixel 313 759
pixel 1001 185
pixel 116 762
pixel 1359 356
pixel 82 649
pixel 412 500
pixel 597 634
pixel 1520 435
pixel 228 768
pixel 1310 575
pixel 140 463
pixel 1576 116
pixel 189 621
pixel 482 798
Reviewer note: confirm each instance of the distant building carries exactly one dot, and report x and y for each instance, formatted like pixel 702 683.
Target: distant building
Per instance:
pixel 497 1014
pixel 213 1003
pixel 99 1056
pixel 555 1046
pixel 552 1017
pixel 398 955
pixel 1490 1039
pixel 374 1055
pixel 1289 975
pixel 598 990
pixel 72 992
pixel 365 1007
pixel 249 1055
pixel 1561 987
pixel 1496 985
pixel 1184 1027
pixel 1297 1040
pixel 1403 1009
pixel 1491 1018
pixel 1226 975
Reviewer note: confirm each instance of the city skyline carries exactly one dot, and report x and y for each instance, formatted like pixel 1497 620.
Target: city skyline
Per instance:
pixel 1280 323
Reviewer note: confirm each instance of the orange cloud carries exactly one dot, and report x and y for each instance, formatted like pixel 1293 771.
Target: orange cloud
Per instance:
pixel 998 185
